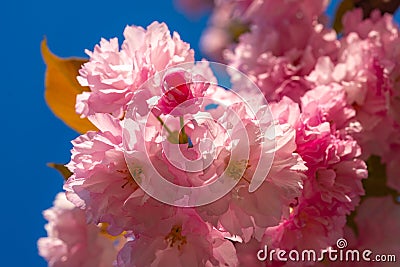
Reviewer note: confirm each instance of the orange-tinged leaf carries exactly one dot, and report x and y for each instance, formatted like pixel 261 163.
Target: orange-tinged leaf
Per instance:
pixel 65 173
pixel 345 5
pixel 62 87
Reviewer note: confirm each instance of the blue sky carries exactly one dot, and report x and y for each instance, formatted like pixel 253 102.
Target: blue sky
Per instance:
pixel 31 135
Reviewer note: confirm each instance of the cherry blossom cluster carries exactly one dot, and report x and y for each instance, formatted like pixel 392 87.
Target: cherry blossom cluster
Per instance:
pixel 146 186
pixel 354 78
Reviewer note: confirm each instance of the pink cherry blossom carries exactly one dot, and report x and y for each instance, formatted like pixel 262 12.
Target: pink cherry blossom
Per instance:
pixel 283 44
pixel 247 253
pixel 114 73
pixel 73 242
pixel 381 238
pixel 378 43
pixel 182 92
pixel 366 68
pixel 194 7
pixel 332 188
pixel 295 164
pixel 241 212
pixel 378 237
pixel 220 33
pixel 331 100
pixel 101 181
pixel 183 239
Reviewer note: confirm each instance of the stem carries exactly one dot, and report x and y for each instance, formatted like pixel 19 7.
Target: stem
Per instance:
pixel 182 123
pixel 183 138
pixel 164 125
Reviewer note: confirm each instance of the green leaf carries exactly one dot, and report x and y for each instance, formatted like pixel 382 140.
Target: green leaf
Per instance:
pixel 375 184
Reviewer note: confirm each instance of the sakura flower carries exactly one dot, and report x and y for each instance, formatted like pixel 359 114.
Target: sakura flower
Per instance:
pixel 283 44
pixel 356 73
pixel 240 152
pixel 332 188
pixel 194 6
pixel 181 92
pixel 331 100
pixel 225 27
pixel 180 240
pixel 114 73
pixel 247 253
pixel 367 69
pixel 378 38
pixel 108 76
pixel 241 212
pixel 73 242
pixel 379 238
pixel 101 181
pixel 214 41
pixel 196 175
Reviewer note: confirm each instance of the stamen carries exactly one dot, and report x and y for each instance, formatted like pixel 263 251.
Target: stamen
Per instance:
pixel 237 168
pixel 135 172
pixel 176 237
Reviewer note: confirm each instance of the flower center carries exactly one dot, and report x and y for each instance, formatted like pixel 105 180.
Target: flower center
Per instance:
pixel 137 173
pixel 176 237
pixel 236 169
pixel 132 175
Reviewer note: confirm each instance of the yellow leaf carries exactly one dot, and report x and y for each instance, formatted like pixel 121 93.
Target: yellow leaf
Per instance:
pixel 61 169
pixel 61 88
pixel 345 5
